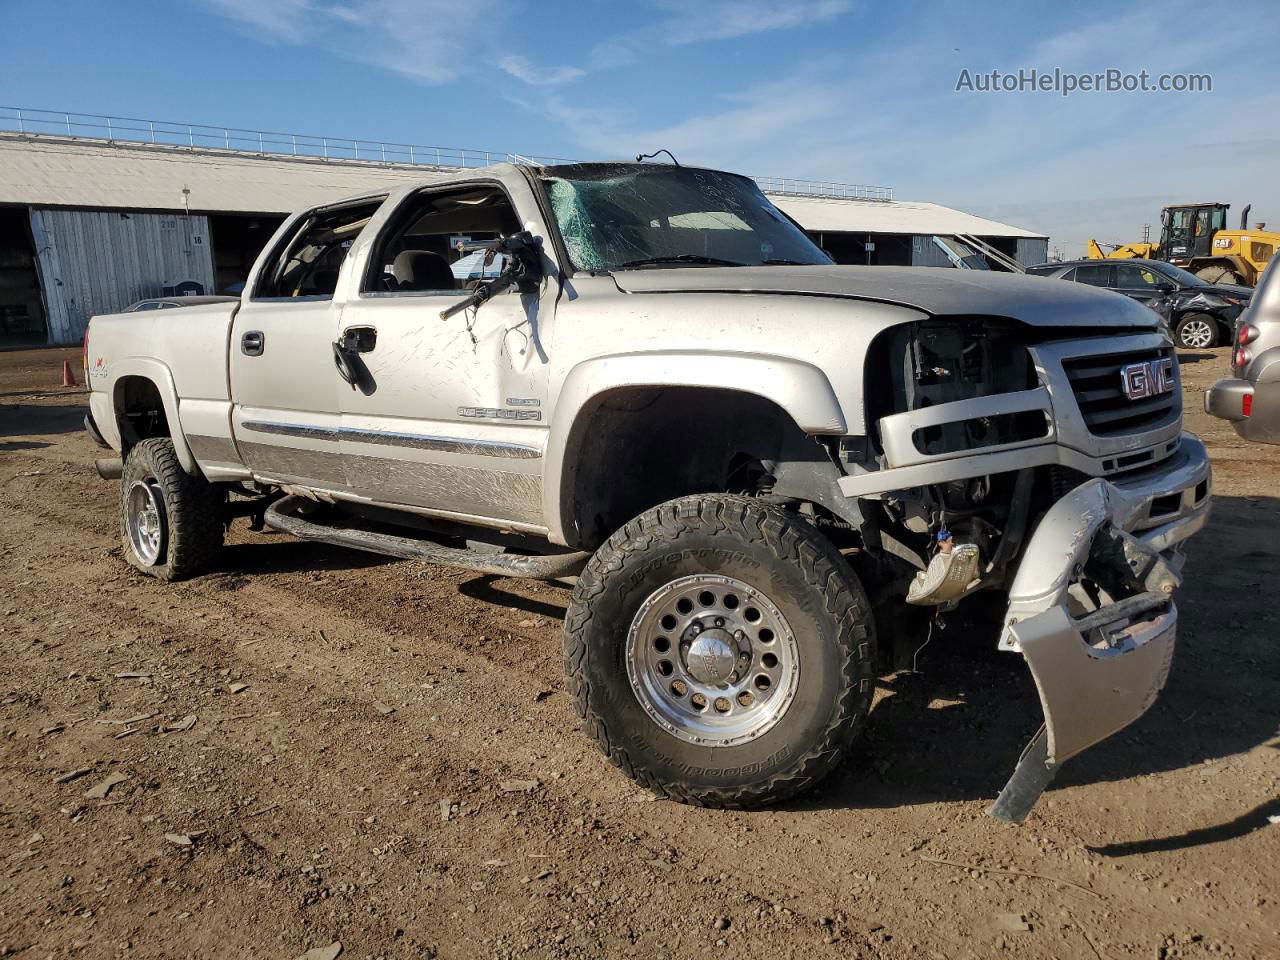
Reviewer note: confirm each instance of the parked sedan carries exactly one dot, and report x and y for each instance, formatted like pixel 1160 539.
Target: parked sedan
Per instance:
pixel 1200 314
pixel 1250 397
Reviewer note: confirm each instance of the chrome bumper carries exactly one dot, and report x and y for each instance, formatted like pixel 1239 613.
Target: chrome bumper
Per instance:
pixel 1098 670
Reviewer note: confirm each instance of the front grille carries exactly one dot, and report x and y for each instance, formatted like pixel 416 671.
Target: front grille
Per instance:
pixel 1100 395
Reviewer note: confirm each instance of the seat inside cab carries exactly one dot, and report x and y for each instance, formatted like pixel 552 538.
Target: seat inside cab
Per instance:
pixel 438 243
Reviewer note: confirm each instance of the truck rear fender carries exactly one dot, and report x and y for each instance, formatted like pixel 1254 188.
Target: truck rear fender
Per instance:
pixel 160 377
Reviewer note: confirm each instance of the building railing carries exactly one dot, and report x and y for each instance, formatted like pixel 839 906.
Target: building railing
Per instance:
pixel 198 136
pixel 789 187
pixel 204 137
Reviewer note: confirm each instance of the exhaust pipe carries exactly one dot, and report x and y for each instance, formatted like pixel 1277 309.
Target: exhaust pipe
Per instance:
pixel 109 468
pixel 1244 216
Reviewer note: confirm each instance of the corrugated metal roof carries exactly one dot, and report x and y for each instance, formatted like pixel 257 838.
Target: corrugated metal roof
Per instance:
pixel 45 172
pixel 893 216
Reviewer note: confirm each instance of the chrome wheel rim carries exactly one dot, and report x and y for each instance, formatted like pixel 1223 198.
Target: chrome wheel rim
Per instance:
pixel 712 660
pixel 145 521
pixel 1196 333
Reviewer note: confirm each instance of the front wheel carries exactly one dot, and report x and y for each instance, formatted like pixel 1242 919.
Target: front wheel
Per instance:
pixel 719 650
pixel 1196 331
pixel 171 522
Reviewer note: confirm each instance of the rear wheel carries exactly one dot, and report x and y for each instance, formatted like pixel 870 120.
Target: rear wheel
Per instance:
pixel 171 522
pixel 719 650
pixel 1197 331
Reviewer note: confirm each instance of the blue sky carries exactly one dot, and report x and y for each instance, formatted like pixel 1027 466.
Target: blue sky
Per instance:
pixel 848 90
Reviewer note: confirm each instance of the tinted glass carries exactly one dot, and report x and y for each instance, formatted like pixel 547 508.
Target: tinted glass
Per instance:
pixel 1130 276
pixel 1094 276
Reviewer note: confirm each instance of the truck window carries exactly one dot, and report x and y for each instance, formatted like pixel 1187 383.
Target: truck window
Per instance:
pixel 306 264
pixel 437 242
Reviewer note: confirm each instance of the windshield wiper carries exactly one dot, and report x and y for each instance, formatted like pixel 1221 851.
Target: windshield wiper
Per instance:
pixel 680 258
pixel 787 263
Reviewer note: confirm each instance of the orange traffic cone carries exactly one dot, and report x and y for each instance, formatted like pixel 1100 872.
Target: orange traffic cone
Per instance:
pixel 68 378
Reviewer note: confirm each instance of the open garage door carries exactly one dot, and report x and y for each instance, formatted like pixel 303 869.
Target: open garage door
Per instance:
pixel 22 320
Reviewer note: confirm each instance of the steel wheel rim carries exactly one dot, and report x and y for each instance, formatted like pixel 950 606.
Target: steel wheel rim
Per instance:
pixel 715 673
pixel 1196 333
pixel 145 521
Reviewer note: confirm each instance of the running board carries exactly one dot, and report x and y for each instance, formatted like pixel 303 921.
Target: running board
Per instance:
pixel 283 516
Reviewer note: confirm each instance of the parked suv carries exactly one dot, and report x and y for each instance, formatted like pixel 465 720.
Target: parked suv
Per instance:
pixel 1200 314
pixel 758 464
pixel 1250 397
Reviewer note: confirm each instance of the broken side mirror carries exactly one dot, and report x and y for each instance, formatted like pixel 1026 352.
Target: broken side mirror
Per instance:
pixel 523 270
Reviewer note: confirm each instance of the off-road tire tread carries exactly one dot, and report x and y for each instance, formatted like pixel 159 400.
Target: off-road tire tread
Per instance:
pixel 193 509
pixel 792 540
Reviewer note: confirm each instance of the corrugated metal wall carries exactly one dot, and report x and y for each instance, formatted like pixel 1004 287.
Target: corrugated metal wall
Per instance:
pixel 1032 250
pixel 925 253
pixel 99 261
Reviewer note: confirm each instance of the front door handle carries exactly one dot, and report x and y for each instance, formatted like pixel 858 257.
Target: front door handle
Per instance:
pixel 252 343
pixel 360 339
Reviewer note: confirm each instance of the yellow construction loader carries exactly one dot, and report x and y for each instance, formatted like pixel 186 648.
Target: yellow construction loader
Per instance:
pixel 1193 236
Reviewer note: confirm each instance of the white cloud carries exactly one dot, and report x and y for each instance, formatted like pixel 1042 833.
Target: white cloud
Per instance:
pixel 427 40
pixel 523 69
pixel 281 20
pixel 1093 164
pixel 727 19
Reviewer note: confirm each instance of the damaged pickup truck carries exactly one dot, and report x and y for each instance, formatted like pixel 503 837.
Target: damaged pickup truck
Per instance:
pixel 756 463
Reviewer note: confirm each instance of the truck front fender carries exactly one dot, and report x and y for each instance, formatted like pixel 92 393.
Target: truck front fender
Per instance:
pixel 160 375
pixel 799 388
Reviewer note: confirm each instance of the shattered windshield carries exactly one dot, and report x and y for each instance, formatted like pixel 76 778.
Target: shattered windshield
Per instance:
pixel 625 217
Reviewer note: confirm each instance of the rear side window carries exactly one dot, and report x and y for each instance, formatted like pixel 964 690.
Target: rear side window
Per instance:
pixel 306 264
pixel 1098 276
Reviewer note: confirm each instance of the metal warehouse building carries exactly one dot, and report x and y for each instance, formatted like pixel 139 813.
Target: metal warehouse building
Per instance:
pixel 99 212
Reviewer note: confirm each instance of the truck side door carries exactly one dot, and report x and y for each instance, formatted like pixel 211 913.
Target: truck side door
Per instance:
pixel 284 388
pixel 451 414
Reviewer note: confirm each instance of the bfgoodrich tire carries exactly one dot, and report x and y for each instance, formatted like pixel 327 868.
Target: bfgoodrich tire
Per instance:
pixel 719 651
pixel 171 522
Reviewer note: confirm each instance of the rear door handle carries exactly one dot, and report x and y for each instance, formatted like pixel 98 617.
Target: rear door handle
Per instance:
pixel 252 343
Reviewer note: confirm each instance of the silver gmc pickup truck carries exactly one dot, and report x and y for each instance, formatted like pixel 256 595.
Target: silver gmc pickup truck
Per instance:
pixel 768 473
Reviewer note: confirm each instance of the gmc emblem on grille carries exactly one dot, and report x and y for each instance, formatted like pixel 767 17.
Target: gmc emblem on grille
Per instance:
pixel 1150 379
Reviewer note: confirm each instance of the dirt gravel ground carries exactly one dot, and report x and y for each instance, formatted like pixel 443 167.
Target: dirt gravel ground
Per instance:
pixel 310 746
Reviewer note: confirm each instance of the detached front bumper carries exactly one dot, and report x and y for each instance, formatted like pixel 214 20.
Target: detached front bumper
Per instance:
pixel 1091 609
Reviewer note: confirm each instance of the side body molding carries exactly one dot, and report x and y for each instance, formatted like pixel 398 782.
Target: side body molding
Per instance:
pixel 159 374
pixel 799 388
